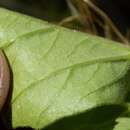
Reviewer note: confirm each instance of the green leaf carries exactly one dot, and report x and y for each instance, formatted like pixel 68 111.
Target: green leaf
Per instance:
pixel 123 124
pixel 57 72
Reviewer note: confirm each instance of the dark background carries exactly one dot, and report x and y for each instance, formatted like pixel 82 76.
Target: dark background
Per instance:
pixel 55 10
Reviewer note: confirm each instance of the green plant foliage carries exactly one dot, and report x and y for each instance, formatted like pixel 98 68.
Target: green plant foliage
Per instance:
pixel 123 124
pixel 61 74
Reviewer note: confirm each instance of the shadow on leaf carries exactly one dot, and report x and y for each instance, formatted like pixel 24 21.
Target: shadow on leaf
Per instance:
pixel 100 118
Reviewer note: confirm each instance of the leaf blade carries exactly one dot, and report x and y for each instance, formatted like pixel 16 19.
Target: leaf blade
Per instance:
pixel 69 71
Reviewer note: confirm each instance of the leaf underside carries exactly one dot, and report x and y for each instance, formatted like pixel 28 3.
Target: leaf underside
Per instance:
pixel 59 73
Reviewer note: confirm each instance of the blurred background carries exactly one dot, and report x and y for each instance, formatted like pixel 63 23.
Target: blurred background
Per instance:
pixel 106 18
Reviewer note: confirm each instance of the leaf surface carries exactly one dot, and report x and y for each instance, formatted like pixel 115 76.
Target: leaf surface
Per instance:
pixel 58 72
pixel 123 124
